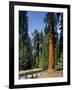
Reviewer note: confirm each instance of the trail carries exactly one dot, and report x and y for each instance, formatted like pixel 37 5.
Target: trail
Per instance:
pixel 46 74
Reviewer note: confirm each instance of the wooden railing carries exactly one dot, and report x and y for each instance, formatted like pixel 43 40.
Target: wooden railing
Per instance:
pixel 31 72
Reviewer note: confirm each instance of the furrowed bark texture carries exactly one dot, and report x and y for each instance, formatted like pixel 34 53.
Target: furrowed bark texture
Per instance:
pixel 51 63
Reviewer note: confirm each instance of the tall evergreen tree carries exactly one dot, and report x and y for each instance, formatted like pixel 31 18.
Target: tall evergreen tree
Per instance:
pixel 56 46
pixel 40 42
pixel 36 46
pixel 51 21
pixel 44 55
pixel 61 36
pixel 24 44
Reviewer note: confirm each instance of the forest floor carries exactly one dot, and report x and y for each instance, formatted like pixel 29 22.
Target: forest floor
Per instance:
pixel 58 72
pixel 46 74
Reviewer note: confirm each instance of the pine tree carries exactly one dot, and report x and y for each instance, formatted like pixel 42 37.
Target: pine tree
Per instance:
pixel 61 36
pixel 56 46
pixel 36 46
pixel 24 44
pixel 40 42
pixel 44 55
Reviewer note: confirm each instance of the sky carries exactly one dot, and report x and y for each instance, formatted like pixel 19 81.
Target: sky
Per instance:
pixel 35 21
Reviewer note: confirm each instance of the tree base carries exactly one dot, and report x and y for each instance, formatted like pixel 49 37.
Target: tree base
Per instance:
pixel 51 70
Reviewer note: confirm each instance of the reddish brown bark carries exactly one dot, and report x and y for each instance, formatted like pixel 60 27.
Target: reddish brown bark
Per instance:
pixel 51 63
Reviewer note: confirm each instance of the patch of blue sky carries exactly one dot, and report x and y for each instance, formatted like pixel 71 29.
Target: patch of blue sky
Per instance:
pixel 35 21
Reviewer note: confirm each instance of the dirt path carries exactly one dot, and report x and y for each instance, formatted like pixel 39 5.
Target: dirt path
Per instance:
pixel 46 74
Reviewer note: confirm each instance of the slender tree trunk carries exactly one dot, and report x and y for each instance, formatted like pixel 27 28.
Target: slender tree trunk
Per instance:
pixel 51 63
pixel 37 61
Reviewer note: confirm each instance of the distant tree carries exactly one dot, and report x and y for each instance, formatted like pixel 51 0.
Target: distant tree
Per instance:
pixel 40 42
pixel 36 46
pixel 61 36
pixel 56 46
pixel 44 55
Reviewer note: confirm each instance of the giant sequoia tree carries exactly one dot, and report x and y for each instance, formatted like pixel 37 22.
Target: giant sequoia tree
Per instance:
pixel 51 21
pixel 24 42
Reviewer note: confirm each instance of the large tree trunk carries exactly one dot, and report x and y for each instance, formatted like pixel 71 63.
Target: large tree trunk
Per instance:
pixel 51 62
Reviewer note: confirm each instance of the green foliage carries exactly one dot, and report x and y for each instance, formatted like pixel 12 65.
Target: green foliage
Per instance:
pixel 61 36
pixel 36 45
pixel 36 41
pixel 56 47
pixel 44 55
pixel 56 54
pixel 40 42
pixel 25 47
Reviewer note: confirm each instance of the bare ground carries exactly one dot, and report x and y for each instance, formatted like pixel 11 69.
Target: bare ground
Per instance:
pixel 46 74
